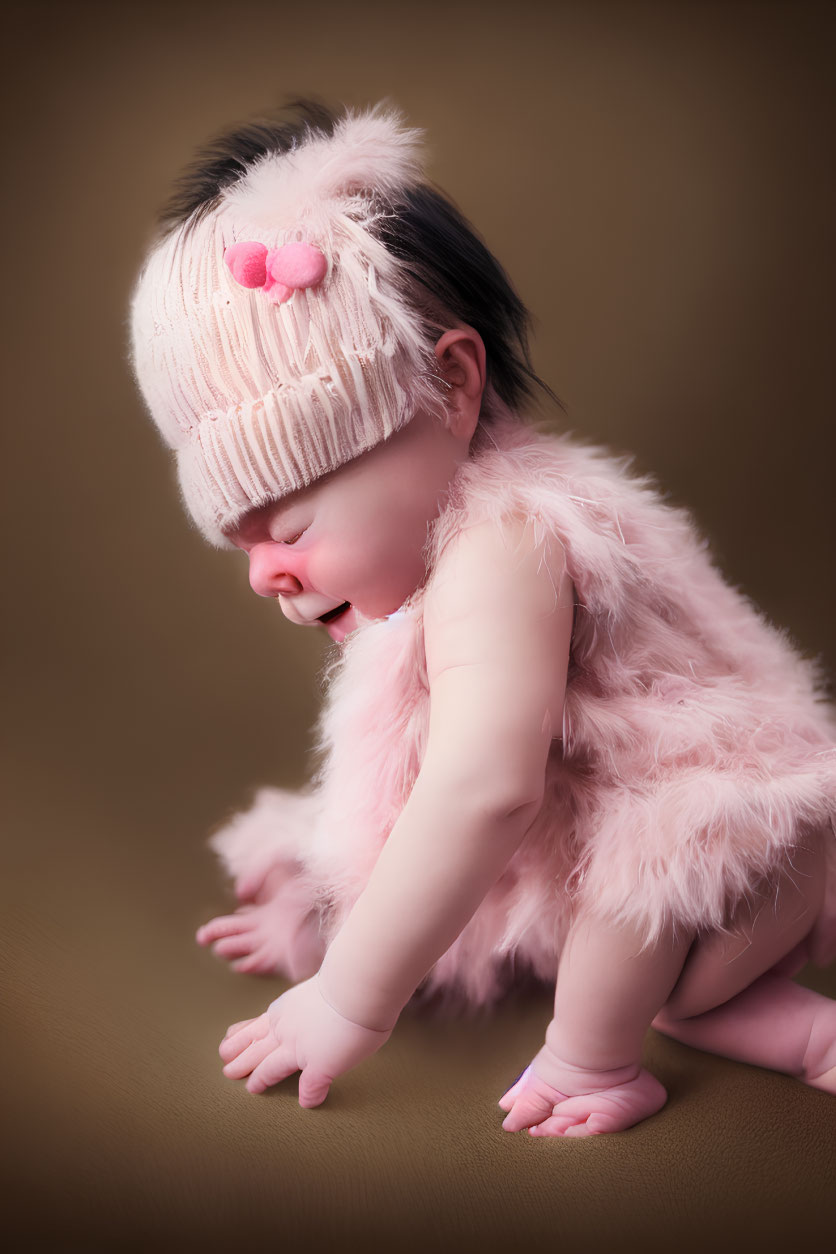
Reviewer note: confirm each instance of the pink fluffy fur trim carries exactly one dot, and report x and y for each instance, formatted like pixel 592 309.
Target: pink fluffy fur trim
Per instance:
pixel 369 150
pixel 273 830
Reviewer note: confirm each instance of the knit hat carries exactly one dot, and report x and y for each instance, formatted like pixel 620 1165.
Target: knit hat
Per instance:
pixel 271 338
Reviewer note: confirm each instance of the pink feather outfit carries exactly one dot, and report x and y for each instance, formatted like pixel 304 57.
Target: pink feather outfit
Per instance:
pixel 696 748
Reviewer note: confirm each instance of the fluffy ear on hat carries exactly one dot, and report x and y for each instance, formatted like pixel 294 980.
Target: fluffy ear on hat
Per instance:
pixel 371 149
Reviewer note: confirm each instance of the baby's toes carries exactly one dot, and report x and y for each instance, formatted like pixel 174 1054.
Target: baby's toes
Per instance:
pixel 574 1125
pixel 610 1110
pixel 578 1125
pixel 510 1095
pixel 593 1126
pixel 530 1107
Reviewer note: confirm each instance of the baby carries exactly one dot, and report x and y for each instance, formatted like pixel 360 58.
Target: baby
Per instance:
pixel 554 740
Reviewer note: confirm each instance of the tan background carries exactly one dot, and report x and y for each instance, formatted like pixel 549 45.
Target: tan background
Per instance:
pixel 658 180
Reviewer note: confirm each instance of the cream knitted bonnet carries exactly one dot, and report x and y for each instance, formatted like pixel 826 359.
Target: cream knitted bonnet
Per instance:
pixel 271 339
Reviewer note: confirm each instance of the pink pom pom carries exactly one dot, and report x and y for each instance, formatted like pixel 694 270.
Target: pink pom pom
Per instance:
pixel 277 293
pixel 297 265
pixel 247 261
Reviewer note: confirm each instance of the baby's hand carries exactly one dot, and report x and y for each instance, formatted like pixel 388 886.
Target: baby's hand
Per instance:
pixel 579 1102
pixel 298 1032
pixel 276 931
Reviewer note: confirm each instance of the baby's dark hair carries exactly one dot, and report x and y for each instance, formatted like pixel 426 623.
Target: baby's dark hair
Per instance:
pixel 450 270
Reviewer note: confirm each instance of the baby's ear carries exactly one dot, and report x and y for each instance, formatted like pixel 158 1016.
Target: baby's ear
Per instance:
pixel 460 354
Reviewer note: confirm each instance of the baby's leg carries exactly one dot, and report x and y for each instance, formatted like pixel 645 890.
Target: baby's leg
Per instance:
pixel 735 996
pixel 774 1023
pixel 588 1077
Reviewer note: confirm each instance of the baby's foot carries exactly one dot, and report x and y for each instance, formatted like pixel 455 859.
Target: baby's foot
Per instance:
pixel 275 933
pixel 586 1103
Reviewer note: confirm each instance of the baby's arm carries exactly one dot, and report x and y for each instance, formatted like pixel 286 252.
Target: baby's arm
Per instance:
pixel 497 624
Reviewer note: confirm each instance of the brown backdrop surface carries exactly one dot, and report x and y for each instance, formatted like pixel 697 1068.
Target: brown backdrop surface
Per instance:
pixel 658 180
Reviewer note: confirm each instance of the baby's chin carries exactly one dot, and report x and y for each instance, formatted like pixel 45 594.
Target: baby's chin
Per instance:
pixel 352 618
pixel 344 624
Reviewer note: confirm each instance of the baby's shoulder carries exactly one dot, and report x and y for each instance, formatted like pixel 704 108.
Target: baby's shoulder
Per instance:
pixel 506 552
pixel 499 612
pixel 496 574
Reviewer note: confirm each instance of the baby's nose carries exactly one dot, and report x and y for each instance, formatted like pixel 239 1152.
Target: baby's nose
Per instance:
pixel 269 576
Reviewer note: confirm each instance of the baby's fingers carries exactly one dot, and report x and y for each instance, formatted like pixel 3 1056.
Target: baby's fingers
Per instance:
pixel 236 1027
pixel 249 1059
pixel 276 1066
pixel 234 946
pixel 313 1088
pixel 224 925
pixel 259 962
pixel 247 886
pixel 236 1041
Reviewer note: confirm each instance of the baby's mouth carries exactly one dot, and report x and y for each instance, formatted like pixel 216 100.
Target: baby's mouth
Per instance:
pixel 334 613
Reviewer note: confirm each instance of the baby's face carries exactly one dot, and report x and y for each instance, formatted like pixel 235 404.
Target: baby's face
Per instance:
pixel 352 542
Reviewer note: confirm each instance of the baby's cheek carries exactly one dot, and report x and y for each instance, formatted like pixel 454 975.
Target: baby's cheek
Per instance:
pixel 328 571
pixel 401 556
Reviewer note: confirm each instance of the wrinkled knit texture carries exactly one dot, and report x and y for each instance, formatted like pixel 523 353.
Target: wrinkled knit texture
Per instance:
pixel 697 745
